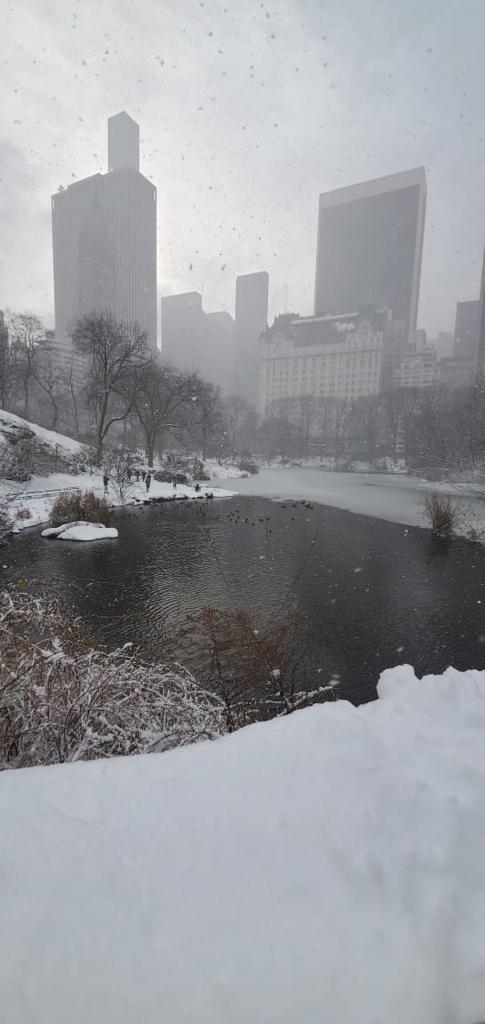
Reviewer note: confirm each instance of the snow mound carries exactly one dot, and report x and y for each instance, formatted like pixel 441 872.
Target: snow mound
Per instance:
pixel 324 866
pixel 81 531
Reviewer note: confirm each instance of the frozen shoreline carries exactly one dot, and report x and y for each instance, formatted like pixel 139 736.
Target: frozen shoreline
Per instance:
pixel 37 495
pixel 395 498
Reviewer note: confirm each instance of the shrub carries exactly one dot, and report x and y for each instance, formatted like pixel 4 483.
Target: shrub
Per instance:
pixel 164 476
pixel 16 458
pixel 5 522
pixel 442 515
pixel 254 670
pixel 198 471
pixel 248 466
pixel 73 505
pixel 23 513
pixel 62 700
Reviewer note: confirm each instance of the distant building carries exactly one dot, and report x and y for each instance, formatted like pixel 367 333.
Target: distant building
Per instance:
pixel 369 249
pixel 104 240
pixel 443 343
pixel 420 368
pixel 183 326
pixel 467 327
pixel 73 365
pixel 251 321
pixel 219 351
pixel 337 357
pixel 197 341
pixel 457 373
pixel 481 325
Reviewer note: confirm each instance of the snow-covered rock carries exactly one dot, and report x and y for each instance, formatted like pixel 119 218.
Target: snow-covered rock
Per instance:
pixel 327 866
pixel 81 531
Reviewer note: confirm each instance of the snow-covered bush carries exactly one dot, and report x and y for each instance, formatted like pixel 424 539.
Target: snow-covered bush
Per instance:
pixel 118 466
pixel 62 700
pixel 16 458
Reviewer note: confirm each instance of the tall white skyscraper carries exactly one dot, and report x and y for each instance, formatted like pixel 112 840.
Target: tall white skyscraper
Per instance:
pixel 105 240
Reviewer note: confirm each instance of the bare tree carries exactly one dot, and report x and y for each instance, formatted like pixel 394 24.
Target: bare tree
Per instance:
pixel 240 418
pixel 51 381
pixel 115 353
pixel 162 400
pixel 118 466
pixel 7 373
pixel 26 334
pixel 208 412
pixel 73 395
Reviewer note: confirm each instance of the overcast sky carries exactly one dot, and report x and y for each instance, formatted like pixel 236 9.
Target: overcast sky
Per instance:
pixel 247 111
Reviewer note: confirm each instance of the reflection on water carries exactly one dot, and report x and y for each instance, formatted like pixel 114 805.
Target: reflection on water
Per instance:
pixel 374 594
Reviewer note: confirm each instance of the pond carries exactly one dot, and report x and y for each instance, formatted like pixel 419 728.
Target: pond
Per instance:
pixel 373 593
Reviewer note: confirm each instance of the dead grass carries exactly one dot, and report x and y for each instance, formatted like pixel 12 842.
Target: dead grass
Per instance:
pixel 70 506
pixel 442 515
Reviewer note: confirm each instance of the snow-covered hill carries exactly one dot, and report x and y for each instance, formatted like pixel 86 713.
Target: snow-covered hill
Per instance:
pixel 328 866
pixel 11 426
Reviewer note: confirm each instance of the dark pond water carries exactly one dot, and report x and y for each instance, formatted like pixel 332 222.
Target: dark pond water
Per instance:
pixel 374 594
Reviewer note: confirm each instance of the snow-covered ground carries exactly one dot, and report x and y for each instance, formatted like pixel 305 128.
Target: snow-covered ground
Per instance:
pixel 328 866
pixel 385 496
pixel 220 470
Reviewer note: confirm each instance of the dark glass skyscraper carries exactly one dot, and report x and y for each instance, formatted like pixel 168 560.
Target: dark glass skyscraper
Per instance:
pixel 369 247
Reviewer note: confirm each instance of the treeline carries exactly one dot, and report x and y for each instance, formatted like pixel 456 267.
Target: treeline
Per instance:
pixel 428 427
pixel 113 387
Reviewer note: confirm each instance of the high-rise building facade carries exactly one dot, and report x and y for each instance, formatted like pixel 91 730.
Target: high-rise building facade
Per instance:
pixel 251 321
pixel 183 330
pixel 480 368
pixel 197 341
pixel 369 246
pixel 105 241
pixel 320 357
pixel 467 326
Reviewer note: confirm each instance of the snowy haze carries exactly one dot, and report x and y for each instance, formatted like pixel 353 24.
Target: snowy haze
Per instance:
pixel 247 112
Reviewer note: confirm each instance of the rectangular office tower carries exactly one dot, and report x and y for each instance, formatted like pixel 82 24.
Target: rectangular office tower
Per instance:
pixel 251 321
pixel 105 240
pixel 369 246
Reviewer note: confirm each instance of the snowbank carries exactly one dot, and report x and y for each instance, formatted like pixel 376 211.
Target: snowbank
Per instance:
pixel 220 470
pixel 328 866
pixel 81 531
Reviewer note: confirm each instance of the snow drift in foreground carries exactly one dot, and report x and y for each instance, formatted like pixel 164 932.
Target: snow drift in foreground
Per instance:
pixel 328 866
